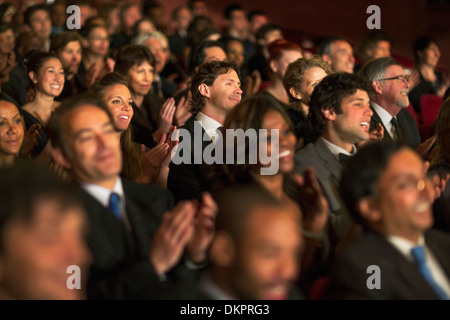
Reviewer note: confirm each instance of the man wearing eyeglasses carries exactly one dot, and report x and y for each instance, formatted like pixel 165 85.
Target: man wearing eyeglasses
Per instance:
pixel 397 255
pixel 389 100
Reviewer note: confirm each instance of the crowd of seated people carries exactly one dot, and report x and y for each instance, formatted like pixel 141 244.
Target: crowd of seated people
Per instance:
pixel 182 159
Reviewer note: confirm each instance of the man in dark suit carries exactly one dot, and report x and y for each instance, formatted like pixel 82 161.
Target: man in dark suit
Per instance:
pixel 397 255
pixel 340 114
pixel 215 91
pixel 136 236
pixel 389 100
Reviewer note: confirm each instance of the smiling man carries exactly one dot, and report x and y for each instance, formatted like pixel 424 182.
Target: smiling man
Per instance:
pixel 338 53
pixel 136 235
pixel 387 191
pixel 340 113
pixel 216 89
pixel 389 100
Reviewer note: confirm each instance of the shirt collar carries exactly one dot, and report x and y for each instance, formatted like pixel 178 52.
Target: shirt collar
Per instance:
pixel 336 150
pixel 403 245
pixel 209 124
pixel 102 194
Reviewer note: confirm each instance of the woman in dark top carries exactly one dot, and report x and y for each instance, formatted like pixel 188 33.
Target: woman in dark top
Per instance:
pixel 430 81
pixel 151 118
pixel 47 76
pixel 301 195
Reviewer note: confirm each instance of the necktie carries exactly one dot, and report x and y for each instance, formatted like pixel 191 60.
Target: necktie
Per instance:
pixel 398 130
pixel 343 158
pixel 114 205
pixel 418 254
pixel 217 132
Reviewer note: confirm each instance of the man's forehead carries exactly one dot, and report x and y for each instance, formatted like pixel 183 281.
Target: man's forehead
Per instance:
pixel 394 70
pixel 341 45
pixel 84 115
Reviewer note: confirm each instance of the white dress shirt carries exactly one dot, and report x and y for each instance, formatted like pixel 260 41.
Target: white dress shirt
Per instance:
pixel 386 118
pixel 209 125
pixel 335 150
pixel 102 195
pixel 405 246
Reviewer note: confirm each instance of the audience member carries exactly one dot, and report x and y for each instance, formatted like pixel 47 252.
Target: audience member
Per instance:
pixel 340 115
pixel 338 53
pixel 135 236
pixel 67 46
pixel 47 77
pixel 299 81
pixel 389 100
pixel 43 227
pixel 373 45
pixel 431 81
pixel 386 189
pixel 181 19
pixel 281 54
pixel 12 131
pixel 215 91
pixel 38 19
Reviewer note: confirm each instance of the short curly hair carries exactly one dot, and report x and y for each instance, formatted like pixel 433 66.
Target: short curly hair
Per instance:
pixel 293 77
pixel 207 74
pixel 328 95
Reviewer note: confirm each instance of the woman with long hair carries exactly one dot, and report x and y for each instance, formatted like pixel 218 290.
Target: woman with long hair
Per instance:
pixel 47 78
pixel 138 164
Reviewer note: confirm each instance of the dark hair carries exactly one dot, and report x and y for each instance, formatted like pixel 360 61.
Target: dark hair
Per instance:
pixel 108 80
pixel 130 55
pixel 5 27
pixel 54 128
pixel 362 172
pixel 23 186
pixel 131 168
pixel 87 29
pixel 253 13
pixel 62 39
pixel 32 10
pixel 196 27
pixel 370 41
pixel 229 9
pixel 442 124
pixel 295 71
pixel 207 74
pixel 36 59
pixel 421 44
pixel 265 29
pixel 197 53
pixel 249 114
pixel 136 25
pixel 328 95
pixel 236 203
pixel 325 44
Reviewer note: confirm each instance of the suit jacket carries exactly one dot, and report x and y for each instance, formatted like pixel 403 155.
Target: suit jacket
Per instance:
pixel 188 180
pixel 121 268
pixel 328 172
pixel 400 278
pixel 407 124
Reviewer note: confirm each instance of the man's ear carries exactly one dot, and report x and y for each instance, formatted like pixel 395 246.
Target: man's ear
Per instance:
pixel 329 114
pixel 377 87
pixel 204 90
pixel 368 209
pixel 60 158
pixel 327 58
pixel 222 250
pixel 295 94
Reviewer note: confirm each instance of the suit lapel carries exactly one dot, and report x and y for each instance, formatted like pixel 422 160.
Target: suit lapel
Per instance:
pixel 329 161
pixel 374 121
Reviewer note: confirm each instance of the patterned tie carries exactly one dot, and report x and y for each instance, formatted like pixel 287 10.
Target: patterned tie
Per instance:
pixel 398 130
pixel 418 254
pixel 114 205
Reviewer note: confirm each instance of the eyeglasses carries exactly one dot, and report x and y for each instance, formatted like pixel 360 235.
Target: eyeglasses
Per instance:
pixel 401 78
